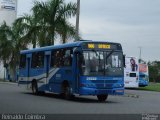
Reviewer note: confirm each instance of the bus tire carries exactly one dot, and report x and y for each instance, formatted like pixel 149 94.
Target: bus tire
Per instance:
pixel 102 98
pixel 34 88
pixel 67 93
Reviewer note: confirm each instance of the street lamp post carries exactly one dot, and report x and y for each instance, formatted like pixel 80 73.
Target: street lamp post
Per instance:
pixel 77 20
pixel 140 52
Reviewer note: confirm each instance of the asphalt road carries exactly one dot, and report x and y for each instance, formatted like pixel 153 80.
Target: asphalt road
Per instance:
pixel 14 99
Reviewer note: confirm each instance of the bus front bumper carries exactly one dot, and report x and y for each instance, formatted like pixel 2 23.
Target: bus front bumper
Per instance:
pixel 94 91
pixel 143 83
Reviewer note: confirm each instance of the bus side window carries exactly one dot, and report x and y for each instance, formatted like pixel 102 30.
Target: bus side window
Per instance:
pixel 37 60
pixel 68 57
pixel 40 62
pixel 55 58
pixel 52 58
pixel 22 61
pixel 61 57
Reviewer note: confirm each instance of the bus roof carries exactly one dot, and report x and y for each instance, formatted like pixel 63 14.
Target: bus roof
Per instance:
pixel 73 44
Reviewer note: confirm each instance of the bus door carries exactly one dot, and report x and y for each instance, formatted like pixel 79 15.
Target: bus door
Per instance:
pixel 77 67
pixel 28 70
pixel 47 65
pixel 77 73
pixel 79 59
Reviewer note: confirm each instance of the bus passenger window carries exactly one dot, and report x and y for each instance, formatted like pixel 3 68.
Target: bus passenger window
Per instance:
pixel 68 58
pixel 22 61
pixel 57 58
pixel 54 56
pixel 37 60
pixel 61 57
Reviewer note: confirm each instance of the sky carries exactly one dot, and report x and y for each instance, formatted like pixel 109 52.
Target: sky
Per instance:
pixel 133 23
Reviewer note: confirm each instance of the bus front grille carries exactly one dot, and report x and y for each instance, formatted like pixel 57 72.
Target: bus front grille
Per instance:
pixel 104 84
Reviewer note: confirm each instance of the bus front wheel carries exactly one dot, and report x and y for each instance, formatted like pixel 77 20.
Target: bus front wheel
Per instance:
pixel 67 93
pixel 102 98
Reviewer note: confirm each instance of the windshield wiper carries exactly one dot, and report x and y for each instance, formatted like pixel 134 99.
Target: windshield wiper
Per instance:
pixel 109 54
pixel 95 52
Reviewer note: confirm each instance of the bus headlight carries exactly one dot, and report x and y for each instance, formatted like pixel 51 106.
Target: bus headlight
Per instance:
pixel 118 85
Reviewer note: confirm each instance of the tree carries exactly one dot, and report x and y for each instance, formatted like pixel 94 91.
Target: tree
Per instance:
pixel 66 30
pixel 5 44
pixel 52 15
pixel 30 25
pixel 11 42
pixel 49 20
pixel 154 71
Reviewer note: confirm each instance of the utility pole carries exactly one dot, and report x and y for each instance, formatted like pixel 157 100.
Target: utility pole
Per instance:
pixel 140 52
pixel 77 20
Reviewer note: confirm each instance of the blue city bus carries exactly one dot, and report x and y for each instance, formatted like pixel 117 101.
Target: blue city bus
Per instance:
pixel 143 75
pixel 79 68
pixel 143 79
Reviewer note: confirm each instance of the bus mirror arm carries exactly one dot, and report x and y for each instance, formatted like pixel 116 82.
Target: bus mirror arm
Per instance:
pixel 79 61
pixel 124 62
pixel 77 50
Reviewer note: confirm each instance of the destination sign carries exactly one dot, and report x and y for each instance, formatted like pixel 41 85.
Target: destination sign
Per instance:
pixel 101 46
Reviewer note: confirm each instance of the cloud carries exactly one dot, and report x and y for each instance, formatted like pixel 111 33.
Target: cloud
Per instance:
pixel 134 12
pixel 133 23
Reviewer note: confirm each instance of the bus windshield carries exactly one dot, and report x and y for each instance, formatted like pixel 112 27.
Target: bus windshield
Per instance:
pixel 100 63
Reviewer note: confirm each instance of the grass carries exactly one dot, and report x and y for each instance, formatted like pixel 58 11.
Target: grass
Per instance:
pixel 151 87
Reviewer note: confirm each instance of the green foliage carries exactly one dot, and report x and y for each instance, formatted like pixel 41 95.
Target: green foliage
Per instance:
pixel 48 22
pixel 151 87
pixel 154 71
pixel 11 42
pixel 53 15
pixel 32 28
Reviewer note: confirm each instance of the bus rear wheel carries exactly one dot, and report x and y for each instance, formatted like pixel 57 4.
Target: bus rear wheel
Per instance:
pixel 102 98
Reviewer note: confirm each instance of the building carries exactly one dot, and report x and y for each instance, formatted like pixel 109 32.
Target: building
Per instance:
pixel 8 13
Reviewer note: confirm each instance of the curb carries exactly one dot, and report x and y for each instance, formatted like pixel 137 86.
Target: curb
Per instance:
pixel 11 83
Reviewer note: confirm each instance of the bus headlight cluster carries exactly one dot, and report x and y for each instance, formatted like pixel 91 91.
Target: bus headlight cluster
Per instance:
pixel 90 85
pixel 91 78
pixel 118 85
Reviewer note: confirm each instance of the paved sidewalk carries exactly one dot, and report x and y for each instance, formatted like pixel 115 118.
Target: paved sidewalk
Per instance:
pixel 7 82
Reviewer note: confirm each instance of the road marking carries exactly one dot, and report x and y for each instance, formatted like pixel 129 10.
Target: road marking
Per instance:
pixel 131 95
